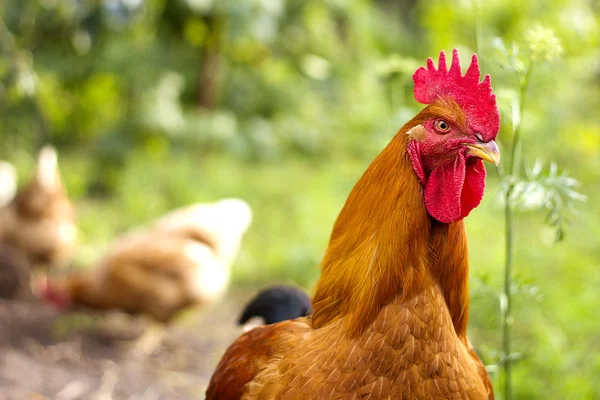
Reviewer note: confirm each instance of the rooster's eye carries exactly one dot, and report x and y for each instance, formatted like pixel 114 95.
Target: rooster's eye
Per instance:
pixel 442 126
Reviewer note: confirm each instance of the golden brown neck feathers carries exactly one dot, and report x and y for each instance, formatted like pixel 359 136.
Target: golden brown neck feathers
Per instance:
pixel 384 244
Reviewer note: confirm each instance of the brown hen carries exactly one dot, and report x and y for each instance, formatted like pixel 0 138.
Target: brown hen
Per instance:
pixel 181 259
pixel 40 220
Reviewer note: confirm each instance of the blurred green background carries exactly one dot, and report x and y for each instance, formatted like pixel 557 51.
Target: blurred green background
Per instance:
pixel 154 104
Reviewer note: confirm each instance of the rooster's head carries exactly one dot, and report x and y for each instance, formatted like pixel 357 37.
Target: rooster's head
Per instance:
pixel 452 135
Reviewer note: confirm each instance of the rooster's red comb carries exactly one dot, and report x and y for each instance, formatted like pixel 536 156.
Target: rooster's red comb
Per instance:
pixel 475 98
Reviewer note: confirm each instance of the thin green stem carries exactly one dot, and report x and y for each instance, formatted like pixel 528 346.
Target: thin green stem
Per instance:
pixel 514 171
pixel 516 146
pixel 506 317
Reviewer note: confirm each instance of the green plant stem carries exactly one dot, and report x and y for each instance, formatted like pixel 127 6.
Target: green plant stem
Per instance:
pixel 516 145
pixel 509 239
pixel 506 322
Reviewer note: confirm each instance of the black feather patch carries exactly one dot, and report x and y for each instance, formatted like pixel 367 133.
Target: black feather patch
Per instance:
pixel 276 304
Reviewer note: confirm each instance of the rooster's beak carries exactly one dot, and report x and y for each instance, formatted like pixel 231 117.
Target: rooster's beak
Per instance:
pixel 486 151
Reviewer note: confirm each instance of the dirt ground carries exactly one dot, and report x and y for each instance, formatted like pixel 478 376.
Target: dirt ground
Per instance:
pixel 48 355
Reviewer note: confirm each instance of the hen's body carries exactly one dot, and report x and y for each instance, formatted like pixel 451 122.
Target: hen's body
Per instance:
pixel 156 277
pixel 390 310
pixel 182 259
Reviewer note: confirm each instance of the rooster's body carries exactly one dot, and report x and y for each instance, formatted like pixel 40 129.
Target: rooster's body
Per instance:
pixel 391 306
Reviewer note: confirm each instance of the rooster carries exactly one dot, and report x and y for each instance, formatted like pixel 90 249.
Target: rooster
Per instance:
pixel 40 220
pixel 275 304
pixel 180 260
pixel 391 305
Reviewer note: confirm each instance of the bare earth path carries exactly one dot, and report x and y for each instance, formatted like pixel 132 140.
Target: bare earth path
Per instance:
pixel 45 355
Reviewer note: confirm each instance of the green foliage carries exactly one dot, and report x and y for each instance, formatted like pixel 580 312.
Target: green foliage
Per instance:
pixel 553 192
pixel 155 104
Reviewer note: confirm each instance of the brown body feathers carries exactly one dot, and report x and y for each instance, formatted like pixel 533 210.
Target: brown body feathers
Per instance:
pixel 181 259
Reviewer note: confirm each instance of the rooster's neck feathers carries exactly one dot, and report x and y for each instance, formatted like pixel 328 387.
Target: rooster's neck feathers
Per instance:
pixel 384 244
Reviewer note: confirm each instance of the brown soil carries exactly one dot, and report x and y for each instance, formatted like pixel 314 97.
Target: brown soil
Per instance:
pixel 48 355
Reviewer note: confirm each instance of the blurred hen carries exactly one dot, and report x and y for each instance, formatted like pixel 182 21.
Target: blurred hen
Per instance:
pixel 40 220
pixel 275 304
pixel 180 260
